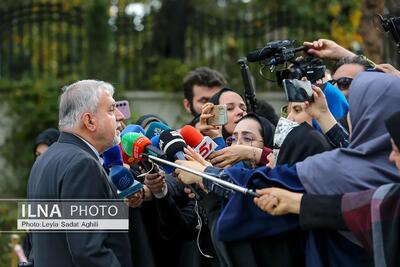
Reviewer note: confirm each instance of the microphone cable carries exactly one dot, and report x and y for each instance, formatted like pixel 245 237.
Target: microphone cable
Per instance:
pixel 199 227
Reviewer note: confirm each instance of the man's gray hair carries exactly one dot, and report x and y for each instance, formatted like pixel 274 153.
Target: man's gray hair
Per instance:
pixel 78 98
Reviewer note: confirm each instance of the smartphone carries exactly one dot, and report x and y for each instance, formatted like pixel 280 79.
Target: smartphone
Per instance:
pixel 297 90
pixel 220 115
pixel 123 107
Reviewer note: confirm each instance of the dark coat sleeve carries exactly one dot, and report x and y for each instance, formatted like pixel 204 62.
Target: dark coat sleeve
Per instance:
pixel 323 212
pixel 177 215
pixel 86 180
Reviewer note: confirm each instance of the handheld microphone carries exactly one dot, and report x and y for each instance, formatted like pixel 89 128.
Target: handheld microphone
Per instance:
pixel 135 144
pixel 120 176
pixel 124 181
pixel 156 128
pixel 112 157
pixel 132 128
pixel 125 158
pixel 155 140
pixel 203 145
pixel 172 144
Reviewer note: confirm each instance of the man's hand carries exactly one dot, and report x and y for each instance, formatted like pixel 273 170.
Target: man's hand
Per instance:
pixel 327 49
pixel 389 69
pixel 135 200
pixel 278 201
pixel 155 182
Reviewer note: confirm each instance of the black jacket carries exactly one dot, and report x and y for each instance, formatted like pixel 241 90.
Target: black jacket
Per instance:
pixel 70 170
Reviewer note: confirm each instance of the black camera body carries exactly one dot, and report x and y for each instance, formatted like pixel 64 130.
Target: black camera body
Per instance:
pixel 309 67
pixel 392 25
pixel 283 51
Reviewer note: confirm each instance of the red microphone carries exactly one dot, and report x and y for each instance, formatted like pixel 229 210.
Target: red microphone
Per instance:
pixel 125 158
pixel 203 145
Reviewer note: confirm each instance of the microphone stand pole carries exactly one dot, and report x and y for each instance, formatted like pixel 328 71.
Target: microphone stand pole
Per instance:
pixel 229 185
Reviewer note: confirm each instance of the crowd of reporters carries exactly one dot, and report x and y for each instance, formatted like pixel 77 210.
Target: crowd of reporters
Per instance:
pixel 309 169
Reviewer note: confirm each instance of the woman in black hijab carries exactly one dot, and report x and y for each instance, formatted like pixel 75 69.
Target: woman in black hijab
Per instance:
pixel 44 140
pixel 236 108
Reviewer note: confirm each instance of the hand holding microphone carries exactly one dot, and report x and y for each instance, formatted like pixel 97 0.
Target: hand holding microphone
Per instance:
pixel 203 145
pixel 120 176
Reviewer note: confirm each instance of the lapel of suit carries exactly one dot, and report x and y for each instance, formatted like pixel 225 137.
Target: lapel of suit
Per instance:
pixel 66 137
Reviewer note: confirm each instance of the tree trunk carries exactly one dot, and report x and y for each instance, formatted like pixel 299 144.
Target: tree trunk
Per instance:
pixel 169 29
pixel 373 38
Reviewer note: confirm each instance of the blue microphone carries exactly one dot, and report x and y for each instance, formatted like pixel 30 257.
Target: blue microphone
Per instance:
pixel 120 176
pixel 156 128
pixel 124 181
pixel 132 128
pixel 111 157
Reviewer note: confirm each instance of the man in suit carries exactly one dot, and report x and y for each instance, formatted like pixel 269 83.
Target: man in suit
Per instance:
pixel 71 169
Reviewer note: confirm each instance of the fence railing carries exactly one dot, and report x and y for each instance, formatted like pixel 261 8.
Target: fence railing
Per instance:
pixel 48 39
pixel 40 39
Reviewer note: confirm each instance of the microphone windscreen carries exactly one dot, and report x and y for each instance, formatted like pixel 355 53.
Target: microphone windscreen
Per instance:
pixel 112 157
pixel 171 142
pixel 126 159
pixel 121 177
pixel 155 141
pixel 156 128
pixel 132 128
pixel 128 140
pixel 191 135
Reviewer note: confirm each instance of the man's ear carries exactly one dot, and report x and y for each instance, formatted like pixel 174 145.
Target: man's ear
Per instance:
pixel 186 105
pixel 89 121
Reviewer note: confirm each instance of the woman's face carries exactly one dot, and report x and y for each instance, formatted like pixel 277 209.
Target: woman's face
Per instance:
pixel 297 112
pixel 248 132
pixel 40 149
pixel 395 155
pixel 236 109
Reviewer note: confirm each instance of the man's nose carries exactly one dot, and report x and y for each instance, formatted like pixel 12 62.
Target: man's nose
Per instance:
pixel 118 115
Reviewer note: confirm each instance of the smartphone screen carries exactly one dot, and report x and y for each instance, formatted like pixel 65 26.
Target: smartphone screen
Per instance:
pixel 297 90
pixel 220 115
pixel 123 107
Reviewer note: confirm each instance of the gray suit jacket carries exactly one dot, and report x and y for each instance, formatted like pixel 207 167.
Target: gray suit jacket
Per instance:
pixel 70 170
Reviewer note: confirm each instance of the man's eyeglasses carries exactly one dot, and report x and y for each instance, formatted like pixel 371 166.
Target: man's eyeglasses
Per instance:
pixel 342 83
pixel 244 139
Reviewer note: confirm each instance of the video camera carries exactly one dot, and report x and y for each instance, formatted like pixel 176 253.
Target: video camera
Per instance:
pixel 309 67
pixel 392 25
pixel 284 51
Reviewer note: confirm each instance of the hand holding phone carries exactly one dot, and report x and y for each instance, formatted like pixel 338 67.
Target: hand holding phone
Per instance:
pixel 298 90
pixel 220 115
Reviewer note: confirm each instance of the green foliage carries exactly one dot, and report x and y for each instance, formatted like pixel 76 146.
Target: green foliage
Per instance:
pixel 31 107
pixel 166 74
pixel 98 64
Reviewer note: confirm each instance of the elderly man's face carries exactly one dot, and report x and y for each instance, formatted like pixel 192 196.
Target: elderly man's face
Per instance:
pixel 108 118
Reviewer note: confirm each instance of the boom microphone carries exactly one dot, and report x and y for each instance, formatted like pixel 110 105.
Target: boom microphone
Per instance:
pixel 203 145
pixel 267 51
